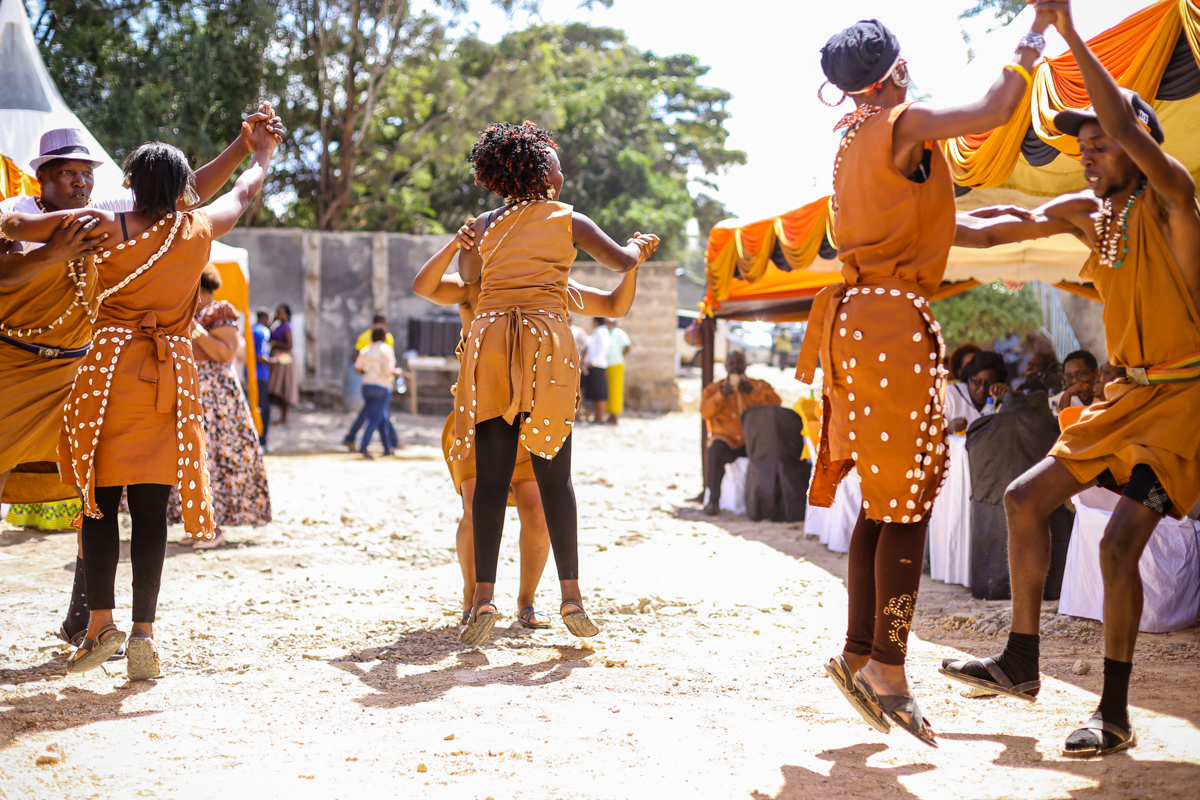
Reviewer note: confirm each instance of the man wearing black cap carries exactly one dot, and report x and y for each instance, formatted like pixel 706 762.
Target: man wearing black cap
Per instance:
pixel 1141 219
pixel 47 296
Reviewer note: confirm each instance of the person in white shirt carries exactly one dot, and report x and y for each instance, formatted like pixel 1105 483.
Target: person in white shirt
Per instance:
pixel 377 364
pixel 1080 373
pixel 985 376
pixel 595 383
pixel 618 345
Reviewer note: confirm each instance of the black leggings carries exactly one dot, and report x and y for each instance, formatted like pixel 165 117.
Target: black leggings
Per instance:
pixel 147 547
pixel 496 443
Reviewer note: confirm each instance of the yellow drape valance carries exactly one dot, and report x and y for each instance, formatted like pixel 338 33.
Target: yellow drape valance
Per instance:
pixel 14 180
pixel 1136 52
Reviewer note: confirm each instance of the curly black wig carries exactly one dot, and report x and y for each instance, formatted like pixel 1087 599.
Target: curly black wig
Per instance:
pixel 512 160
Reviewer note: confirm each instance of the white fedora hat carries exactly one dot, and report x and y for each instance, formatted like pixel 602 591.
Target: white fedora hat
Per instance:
pixel 63 143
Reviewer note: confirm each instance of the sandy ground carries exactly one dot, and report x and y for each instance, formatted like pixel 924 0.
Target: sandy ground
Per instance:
pixel 318 657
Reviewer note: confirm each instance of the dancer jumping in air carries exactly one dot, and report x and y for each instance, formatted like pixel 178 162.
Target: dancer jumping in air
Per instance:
pixel 518 386
pixel 880 348
pixel 1140 217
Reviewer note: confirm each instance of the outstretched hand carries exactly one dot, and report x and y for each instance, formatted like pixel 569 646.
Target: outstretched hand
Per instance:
pixel 991 212
pixel 70 240
pixel 647 243
pixel 1058 12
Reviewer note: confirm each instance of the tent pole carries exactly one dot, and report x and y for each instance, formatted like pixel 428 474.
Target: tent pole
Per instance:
pixel 708 329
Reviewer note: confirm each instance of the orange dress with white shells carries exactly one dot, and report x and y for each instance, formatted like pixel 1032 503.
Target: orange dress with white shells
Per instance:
pixel 33 389
pixel 879 345
pixel 134 413
pixel 1149 320
pixel 520 360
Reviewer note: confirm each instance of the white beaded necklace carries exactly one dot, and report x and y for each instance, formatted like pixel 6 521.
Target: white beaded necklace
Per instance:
pixel 166 245
pixel 1110 236
pixel 852 122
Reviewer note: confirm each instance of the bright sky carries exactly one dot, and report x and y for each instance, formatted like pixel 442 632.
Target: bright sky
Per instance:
pixel 765 52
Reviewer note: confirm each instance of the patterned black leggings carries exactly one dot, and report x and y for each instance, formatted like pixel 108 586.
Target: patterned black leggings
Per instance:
pixel 883 578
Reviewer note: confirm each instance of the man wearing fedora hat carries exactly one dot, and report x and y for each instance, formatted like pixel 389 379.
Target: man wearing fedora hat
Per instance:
pixel 1141 219
pixel 47 300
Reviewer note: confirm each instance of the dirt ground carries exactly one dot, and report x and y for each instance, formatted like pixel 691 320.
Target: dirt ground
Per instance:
pixel 318 657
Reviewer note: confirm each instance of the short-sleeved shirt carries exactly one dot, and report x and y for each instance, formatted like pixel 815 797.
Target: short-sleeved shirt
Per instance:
pixel 262 351
pixel 378 363
pixel 618 340
pixel 364 341
pixel 598 348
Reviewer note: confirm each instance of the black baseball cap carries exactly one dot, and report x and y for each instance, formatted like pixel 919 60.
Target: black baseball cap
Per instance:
pixel 1069 122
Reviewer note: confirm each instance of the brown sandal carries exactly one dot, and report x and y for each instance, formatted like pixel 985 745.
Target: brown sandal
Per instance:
pixel 479 624
pixel 528 618
pixel 96 651
pixel 578 622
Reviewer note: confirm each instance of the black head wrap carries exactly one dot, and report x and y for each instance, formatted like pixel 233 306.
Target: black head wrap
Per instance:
pixel 860 55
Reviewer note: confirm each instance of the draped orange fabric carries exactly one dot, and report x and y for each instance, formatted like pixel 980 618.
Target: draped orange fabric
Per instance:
pixel 14 180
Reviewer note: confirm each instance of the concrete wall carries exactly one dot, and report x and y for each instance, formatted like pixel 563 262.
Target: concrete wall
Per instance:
pixel 335 282
pixel 1087 320
pixel 650 366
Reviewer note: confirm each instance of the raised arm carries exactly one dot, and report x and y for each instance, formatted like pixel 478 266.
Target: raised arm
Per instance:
pixel 225 211
pixel 599 303
pixel 434 284
pixel 213 175
pixel 988 227
pixel 921 123
pixel 597 244
pixel 1170 179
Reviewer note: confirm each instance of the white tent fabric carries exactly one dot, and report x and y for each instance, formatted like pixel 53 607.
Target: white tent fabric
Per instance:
pixel 30 103
pixel 1170 567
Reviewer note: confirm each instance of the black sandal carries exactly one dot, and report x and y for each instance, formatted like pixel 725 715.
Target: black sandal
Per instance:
pixel 841 676
pixel 578 622
pixel 893 705
pixel 1096 727
pixel 479 624
pixel 1001 683
pixel 96 651
pixel 528 617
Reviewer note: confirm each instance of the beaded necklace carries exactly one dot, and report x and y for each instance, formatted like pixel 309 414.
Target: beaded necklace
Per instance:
pixel 78 275
pixel 852 122
pixel 1110 236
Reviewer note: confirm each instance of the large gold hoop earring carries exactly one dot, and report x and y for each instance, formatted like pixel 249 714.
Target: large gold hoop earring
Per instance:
pixel 820 97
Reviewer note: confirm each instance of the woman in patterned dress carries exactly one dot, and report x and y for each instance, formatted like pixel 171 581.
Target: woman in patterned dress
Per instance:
pixel 518 385
pixel 133 418
pixel 237 476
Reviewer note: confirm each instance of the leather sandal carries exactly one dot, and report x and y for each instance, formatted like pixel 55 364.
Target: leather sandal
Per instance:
pixel 1000 683
pixel 893 705
pixel 527 617
pixel 142 654
pixel 1096 729
pixel 841 676
pixel 578 622
pixel 479 624
pixel 96 651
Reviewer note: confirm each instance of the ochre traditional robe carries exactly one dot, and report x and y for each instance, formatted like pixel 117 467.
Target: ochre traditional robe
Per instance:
pixel 880 348
pixel 1149 320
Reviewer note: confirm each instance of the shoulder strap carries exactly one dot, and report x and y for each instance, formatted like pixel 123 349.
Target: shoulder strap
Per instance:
pixel 124 230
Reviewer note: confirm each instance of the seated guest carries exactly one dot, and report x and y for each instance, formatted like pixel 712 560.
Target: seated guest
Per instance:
pixel 1040 365
pixel 1108 374
pixel 984 376
pixel 960 358
pixel 721 407
pixel 1080 372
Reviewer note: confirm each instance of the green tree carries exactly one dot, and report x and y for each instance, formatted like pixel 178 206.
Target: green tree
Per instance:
pixel 1005 10
pixel 986 313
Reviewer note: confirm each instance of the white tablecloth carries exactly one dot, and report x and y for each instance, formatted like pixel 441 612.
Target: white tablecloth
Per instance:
pixel 950 520
pixel 834 525
pixel 733 486
pixel 1170 567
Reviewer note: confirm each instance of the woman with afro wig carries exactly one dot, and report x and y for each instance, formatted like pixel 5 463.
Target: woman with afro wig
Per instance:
pixel 518 385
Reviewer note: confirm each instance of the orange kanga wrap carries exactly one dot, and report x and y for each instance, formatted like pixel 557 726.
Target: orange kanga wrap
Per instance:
pixel 880 348
pixel 520 361
pixel 1149 319
pixel 33 389
pixel 1136 51
pixel 134 413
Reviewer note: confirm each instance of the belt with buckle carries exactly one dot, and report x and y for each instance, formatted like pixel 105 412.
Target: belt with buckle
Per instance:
pixel 47 352
pixel 1179 370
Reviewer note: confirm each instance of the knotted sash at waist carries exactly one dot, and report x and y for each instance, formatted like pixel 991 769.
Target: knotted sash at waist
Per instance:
pixel 171 366
pixel 545 410
pixel 821 318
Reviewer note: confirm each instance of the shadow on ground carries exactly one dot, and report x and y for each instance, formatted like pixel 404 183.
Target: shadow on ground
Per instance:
pixel 75 708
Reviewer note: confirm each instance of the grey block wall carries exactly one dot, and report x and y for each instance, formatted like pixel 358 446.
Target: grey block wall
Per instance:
pixel 335 282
